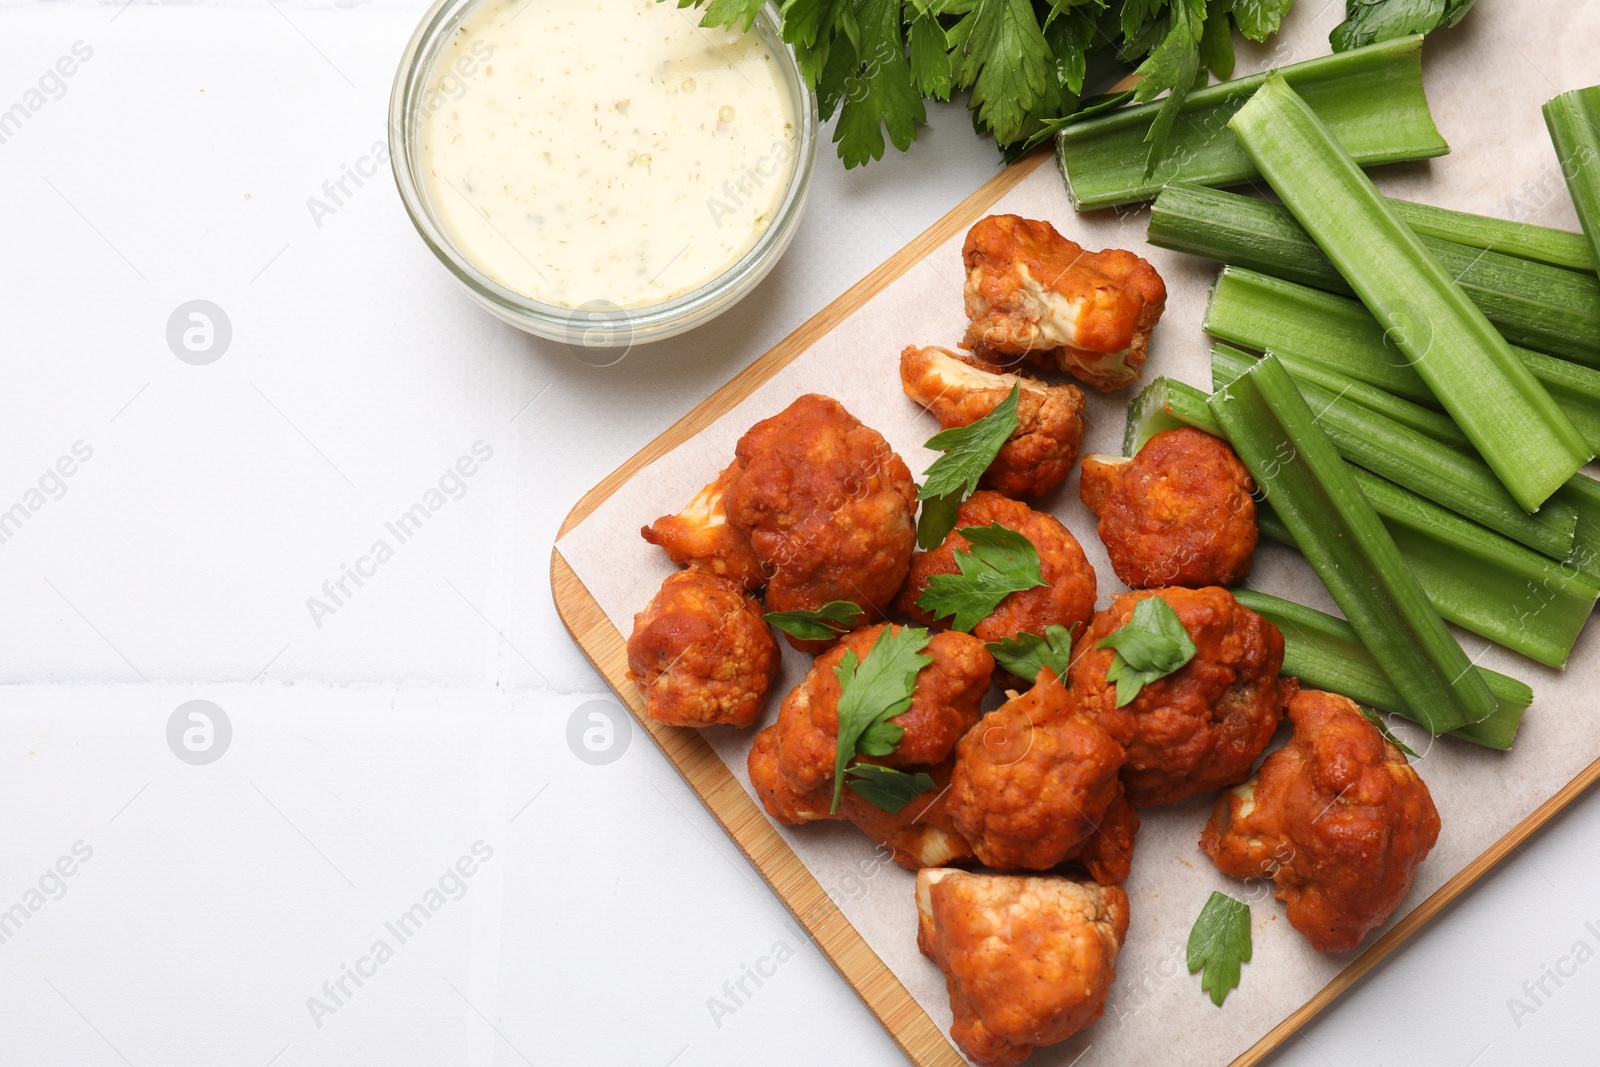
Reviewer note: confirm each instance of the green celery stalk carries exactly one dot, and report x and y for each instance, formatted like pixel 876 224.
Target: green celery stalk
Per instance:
pixel 1475 578
pixel 1372 97
pixel 1574 122
pixel 1436 472
pixel 1582 494
pixel 1182 212
pixel 1533 304
pixel 1520 431
pixel 1576 389
pixel 1480 581
pixel 1269 314
pixel 1325 653
pixel 1166 404
pixel 1542 244
pixel 1427 421
pixel 1311 489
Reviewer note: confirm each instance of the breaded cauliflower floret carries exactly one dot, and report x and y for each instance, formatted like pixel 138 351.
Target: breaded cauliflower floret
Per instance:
pixel 1028 960
pixel 1203 726
pixel 1066 600
pixel 1178 513
pixel 827 505
pixel 699 536
pixel 1337 818
pixel 1033 780
pixel 1031 291
pixel 702 653
pixel 959 390
pixel 791 763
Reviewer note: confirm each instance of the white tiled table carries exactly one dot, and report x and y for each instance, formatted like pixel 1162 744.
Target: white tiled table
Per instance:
pixel 375 745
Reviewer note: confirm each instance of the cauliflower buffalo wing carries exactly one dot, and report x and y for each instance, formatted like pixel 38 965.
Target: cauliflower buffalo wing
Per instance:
pixel 1201 727
pixel 1028 960
pixel 1034 780
pixel 1031 291
pixel 699 536
pixel 1337 818
pixel 1067 598
pixel 959 390
pixel 702 653
pixel 827 505
pixel 1178 513
pixel 791 762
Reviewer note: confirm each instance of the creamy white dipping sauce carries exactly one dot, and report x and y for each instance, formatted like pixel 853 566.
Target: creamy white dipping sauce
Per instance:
pixel 604 150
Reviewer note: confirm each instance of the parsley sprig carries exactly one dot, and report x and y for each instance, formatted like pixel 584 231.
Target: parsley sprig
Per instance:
pixel 834 618
pixel 873 690
pixel 1026 654
pixel 1022 62
pixel 997 563
pixel 1151 645
pixel 1219 943
pixel 968 451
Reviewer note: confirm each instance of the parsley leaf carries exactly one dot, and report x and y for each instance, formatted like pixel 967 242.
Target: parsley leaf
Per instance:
pixel 1137 13
pixel 729 13
pixel 968 451
pixel 1370 21
pixel 1383 728
pixel 886 787
pixel 1026 654
pixel 867 70
pixel 938 518
pixel 1152 645
pixel 931 71
pixel 820 624
pixel 1259 19
pixel 998 562
pixel 1216 39
pixel 1219 943
pixel 999 52
pixel 871 692
pixel 1173 64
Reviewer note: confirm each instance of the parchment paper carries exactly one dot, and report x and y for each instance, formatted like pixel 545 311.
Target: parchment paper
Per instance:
pixel 1486 81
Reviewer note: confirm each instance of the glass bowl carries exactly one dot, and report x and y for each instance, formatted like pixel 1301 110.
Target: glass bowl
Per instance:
pixel 597 324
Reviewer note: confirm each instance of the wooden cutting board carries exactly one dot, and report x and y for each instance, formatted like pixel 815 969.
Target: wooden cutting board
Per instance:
pixel 738 813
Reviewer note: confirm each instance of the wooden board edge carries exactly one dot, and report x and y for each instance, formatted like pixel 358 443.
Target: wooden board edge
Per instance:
pixel 1421 915
pixel 807 334
pixel 766 850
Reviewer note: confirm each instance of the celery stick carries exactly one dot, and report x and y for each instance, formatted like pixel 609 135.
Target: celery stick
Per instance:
pixel 1372 97
pixel 1542 244
pixel 1574 122
pixel 1164 405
